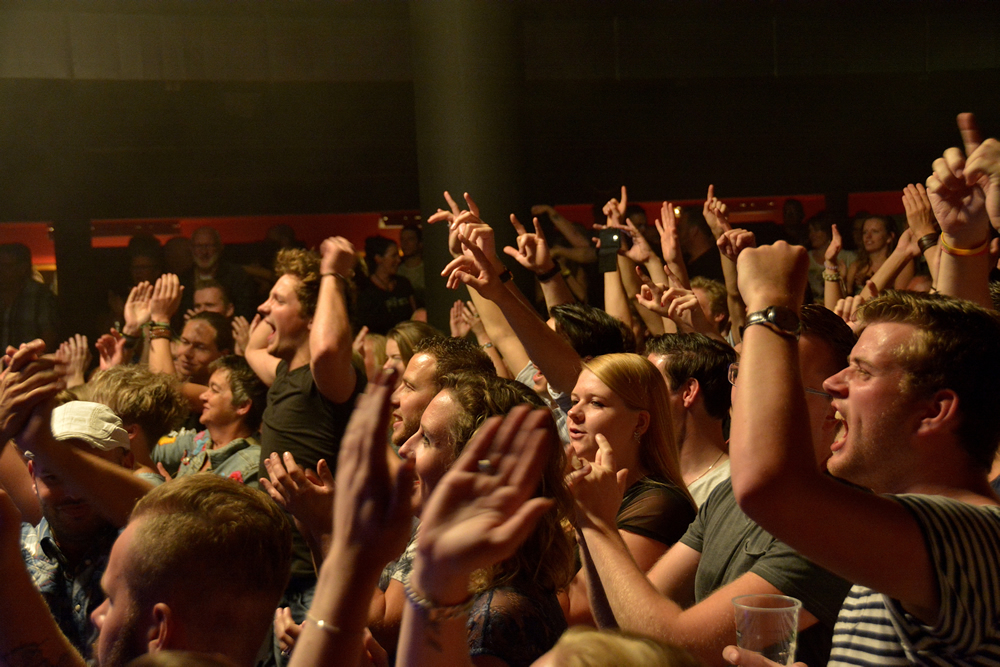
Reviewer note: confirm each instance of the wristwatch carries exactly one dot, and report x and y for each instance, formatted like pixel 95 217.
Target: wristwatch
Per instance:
pixel 778 319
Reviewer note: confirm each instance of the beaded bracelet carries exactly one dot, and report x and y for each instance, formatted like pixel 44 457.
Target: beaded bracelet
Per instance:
pixel 831 276
pixel 434 611
pixel 160 332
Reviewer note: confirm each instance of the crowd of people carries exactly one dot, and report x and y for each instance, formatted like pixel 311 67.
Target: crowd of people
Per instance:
pixel 329 480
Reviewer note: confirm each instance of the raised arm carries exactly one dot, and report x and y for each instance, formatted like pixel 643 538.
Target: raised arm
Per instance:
pixel 263 364
pixel 965 197
pixel 731 244
pixel 549 351
pixel 330 337
pixel 532 253
pixel 666 225
pixel 849 532
pixel 923 226
pixel 497 328
pixel 164 301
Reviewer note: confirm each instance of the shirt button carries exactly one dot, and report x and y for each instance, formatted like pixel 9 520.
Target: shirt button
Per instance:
pixel 76 608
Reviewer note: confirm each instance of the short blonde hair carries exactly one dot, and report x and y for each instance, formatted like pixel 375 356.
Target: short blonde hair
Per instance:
pixel 586 647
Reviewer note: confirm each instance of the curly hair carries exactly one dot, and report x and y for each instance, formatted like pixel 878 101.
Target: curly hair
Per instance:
pixel 545 560
pixel 304 265
pixel 140 396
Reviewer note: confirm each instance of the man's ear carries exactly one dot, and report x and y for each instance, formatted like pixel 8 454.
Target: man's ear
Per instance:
pixel 244 409
pixel 31 472
pixel 161 628
pixel 690 391
pixel 941 414
pixel 133 431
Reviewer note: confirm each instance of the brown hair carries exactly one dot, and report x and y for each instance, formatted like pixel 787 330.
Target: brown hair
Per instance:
pixel 140 396
pixel 957 347
pixel 304 265
pixel 408 333
pixel 545 560
pixel 235 538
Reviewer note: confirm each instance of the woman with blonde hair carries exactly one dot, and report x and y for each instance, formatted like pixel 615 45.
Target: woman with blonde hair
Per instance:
pixel 622 400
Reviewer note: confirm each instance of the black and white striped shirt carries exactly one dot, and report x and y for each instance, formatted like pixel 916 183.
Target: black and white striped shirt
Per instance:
pixel 964 545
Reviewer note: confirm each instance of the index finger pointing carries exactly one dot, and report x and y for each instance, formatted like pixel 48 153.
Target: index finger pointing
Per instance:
pixel 970 132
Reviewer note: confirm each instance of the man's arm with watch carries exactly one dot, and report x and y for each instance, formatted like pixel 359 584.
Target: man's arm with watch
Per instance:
pixel 770 449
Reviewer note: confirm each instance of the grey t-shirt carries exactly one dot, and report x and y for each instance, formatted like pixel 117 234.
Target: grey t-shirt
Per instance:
pixel 731 545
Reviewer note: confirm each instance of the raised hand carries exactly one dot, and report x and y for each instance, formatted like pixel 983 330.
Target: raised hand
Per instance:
pixel 337 257
pixel 715 214
pixel 241 335
pixel 373 507
pixel 666 225
pixel 598 488
pixel 532 250
pixel 773 275
pixel 29 379
pixel 836 245
pixel 459 326
pixel 614 210
pixel 136 309
pixel 110 350
pixel 734 241
pixel 919 214
pixel 983 167
pixel 75 354
pixel 960 205
pixel 482 509
pixel 166 297
pixel 450 216
pixel 475 270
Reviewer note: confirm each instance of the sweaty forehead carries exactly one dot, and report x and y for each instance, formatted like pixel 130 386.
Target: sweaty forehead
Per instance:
pixel 421 370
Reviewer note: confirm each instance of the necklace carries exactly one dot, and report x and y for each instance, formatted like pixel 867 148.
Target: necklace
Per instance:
pixel 708 469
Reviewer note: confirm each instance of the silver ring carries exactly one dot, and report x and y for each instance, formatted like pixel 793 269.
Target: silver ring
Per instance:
pixel 486 466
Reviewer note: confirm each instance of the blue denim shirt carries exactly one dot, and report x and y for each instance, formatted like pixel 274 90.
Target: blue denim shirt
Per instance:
pixel 187 450
pixel 71 593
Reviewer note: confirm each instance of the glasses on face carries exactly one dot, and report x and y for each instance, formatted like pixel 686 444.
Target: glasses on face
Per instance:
pixel 734 370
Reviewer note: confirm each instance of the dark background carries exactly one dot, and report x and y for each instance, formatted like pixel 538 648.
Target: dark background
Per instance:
pixel 147 108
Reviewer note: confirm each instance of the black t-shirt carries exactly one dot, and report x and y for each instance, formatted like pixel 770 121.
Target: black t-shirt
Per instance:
pixel 381 310
pixel 657 509
pixel 301 420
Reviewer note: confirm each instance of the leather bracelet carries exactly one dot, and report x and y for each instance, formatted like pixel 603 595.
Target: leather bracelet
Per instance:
pixel 927 241
pixel 161 332
pixel 506 276
pixel 434 611
pixel 546 276
pixel 965 252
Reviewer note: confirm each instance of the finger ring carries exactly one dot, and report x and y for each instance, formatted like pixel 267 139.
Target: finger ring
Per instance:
pixel 486 467
pixel 285 652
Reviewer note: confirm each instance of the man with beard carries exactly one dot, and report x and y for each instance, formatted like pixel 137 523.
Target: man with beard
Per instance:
pixel 233 538
pixel 67 551
pixel 432 359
